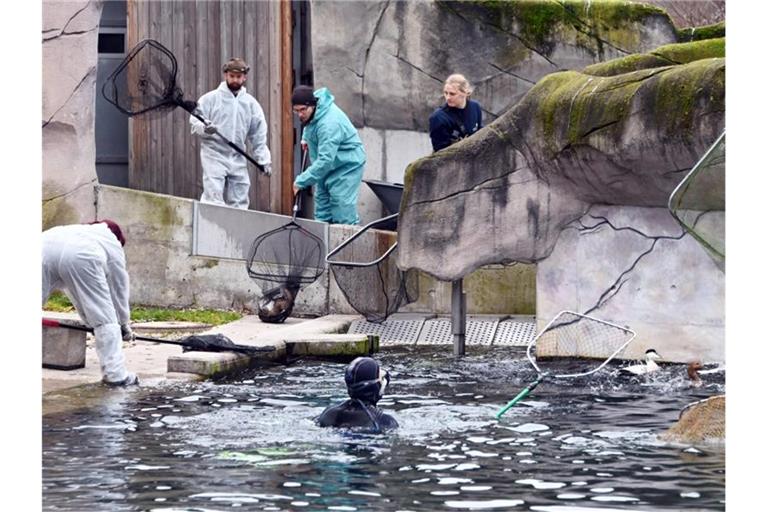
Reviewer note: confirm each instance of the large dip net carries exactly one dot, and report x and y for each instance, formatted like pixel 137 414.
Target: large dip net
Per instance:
pixel 702 421
pixel 364 267
pixel 698 202
pixel 282 261
pixel 587 342
pixel 145 84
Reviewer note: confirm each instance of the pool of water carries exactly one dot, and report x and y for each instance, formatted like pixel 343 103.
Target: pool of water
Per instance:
pixel 249 442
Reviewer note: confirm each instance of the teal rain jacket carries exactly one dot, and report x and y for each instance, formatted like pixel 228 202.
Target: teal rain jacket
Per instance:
pixel 338 158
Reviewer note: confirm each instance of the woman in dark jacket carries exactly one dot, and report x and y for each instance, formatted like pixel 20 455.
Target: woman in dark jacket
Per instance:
pixel 458 118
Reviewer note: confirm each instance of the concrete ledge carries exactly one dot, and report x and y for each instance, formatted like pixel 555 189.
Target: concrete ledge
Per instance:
pixel 333 345
pixel 209 364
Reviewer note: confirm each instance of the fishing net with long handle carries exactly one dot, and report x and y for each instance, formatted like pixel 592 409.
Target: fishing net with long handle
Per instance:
pixel 196 342
pixel 698 202
pixel 144 83
pixel 587 342
pixel 364 267
pixel 282 261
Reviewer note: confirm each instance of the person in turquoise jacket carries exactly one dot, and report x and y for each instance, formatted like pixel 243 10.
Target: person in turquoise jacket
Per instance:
pixel 336 152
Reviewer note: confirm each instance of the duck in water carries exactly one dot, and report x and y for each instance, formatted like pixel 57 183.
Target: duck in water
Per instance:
pixel 693 374
pixel 649 366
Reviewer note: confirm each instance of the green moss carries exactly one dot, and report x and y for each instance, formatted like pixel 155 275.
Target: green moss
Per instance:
pixel 683 53
pixel 677 53
pixel 680 89
pixel 58 212
pixel 497 289
pixel 626 64
pixel 714 31
pixel 209 263
pixel 589 24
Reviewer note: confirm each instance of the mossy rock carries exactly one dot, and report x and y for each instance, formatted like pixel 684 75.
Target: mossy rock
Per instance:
pixel 667 55
pixel 713 31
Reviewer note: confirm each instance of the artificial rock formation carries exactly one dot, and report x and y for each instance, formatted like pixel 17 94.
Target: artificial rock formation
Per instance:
pixel 620 133
pixel 70 37
pixel 576 178
pixel 387 69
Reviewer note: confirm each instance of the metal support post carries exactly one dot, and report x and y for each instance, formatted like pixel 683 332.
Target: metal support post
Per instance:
pixel 458 317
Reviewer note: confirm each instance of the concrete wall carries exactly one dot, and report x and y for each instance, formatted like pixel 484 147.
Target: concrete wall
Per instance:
pixel 650 278
pixel 164 271
pixel 389 152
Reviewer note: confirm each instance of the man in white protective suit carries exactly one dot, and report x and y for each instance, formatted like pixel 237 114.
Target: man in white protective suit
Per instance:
pixel 87 262
pixel 237 116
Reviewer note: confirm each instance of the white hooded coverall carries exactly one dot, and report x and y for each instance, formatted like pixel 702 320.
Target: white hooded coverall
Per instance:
pixel 239 118
pixel 88 263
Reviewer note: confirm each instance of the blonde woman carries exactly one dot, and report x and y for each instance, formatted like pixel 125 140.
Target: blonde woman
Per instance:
pixel 458 118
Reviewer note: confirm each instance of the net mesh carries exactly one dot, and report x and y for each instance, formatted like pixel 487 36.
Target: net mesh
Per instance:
pixel 590 341
pixel 698 202
pixel 379 289
pixel 145 82
pixel 282 261
pixel 700 421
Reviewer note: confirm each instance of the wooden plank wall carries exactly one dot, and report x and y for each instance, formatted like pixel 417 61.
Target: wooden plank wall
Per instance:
pixel 203 34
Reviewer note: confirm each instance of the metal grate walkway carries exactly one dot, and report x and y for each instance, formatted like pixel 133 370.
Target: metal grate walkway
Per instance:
pixel 414 329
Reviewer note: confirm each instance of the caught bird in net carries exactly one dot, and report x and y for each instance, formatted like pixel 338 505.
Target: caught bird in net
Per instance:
pixel 698 202
pixel 588 343
pixel 144 83
pixel 374 287
pixel 282 261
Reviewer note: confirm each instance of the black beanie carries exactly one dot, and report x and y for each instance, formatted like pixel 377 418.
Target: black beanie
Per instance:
pixel 302 95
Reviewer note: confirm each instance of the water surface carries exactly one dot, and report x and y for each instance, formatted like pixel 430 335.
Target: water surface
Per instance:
pixel 249 443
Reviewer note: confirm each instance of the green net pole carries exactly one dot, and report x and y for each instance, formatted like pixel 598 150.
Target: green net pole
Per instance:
pixel 521 395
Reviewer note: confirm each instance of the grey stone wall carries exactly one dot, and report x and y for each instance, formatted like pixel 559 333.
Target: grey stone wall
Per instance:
pixel 387 66
pixel 69 39
pixel 636 267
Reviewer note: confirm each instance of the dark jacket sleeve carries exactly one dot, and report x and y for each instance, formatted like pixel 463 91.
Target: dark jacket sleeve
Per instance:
pixel 439 130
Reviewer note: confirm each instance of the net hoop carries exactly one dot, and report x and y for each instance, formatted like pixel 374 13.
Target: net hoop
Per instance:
pixel 532 358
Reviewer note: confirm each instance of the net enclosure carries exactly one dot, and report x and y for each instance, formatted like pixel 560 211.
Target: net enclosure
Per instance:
pixel 364 267
pixel 588 343
pixel 698 202
pixel 281 262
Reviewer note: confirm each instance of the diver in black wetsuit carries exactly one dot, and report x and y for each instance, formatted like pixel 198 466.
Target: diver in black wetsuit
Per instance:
pixel 365 385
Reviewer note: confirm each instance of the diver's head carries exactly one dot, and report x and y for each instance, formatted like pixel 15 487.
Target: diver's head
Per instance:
pixel 365 380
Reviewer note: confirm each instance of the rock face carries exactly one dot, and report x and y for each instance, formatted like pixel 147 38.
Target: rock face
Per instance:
pixel 621 133
pixel 70 37
pixel 387 69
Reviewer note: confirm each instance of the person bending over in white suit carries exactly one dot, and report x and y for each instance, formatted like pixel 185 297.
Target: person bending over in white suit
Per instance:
pixel 236 115
pixel 87 262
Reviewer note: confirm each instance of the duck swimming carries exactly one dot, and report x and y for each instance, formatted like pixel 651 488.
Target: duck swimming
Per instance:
pixel 649 366
pixel 693 374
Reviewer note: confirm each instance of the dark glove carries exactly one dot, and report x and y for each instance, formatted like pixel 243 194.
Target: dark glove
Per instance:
pixel 210 129
pixel 127 333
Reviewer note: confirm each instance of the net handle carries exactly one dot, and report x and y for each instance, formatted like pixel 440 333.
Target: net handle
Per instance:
pixel 229 143
pixel 626 330
pixel 355 236
pixel 525 392
pixel 297 199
